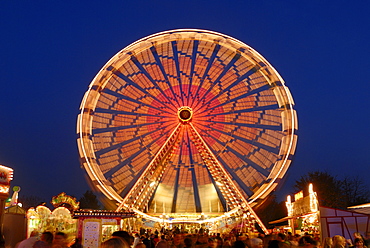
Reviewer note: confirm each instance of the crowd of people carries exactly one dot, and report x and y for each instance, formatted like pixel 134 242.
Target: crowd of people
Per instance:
pixel 232 240
pixel 122 239
pixel 339 241
pixel 48 240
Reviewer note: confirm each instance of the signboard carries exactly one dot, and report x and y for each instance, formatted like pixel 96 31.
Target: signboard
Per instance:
pixel 91 233
pixel 6 175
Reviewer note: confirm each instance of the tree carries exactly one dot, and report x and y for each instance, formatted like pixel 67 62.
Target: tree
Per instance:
pixel 89 201
pixel 271 210
pixel 31 201
pixel 332 192
pixel 327 187
pixel 354 191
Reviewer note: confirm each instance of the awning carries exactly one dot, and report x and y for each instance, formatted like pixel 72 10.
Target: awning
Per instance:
pixel 290 217
pixel 281 220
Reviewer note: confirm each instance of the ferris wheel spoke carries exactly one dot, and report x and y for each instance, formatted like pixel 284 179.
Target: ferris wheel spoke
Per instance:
pixel 120 112
pixel 127 161
pixel 176 188
pixel 148 76
pixel 220 76
pixel 198 205
pixel 239 124
pixel 192 72
pixel 209 66
pixel 268 148
pixel 118 128
pixel 177 64
pixel 134 84
pixel 231 171
pixel 219 174
pixel 236 82
pixel 236 99
pixel 233 196
pixel 137 101
pixel 163 70
pixel 99 153
pixel 235 177
pixel 255 166
pixel 246 110
pixel 152 174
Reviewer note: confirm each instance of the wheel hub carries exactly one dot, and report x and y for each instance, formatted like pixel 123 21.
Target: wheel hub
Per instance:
pixel 185 114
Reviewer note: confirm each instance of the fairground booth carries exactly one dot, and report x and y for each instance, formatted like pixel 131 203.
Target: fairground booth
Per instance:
pixel 306 216
pixel 90 226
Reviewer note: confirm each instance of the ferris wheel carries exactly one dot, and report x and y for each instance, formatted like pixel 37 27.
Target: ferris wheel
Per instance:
pixel 187 121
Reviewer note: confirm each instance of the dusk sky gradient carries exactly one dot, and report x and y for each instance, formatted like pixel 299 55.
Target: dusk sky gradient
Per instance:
pixel 51 50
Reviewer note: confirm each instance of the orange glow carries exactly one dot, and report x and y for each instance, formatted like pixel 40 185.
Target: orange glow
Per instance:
pixel 298 196
pixel 187 114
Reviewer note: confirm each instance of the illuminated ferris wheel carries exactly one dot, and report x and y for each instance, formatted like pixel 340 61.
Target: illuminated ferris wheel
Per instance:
pixel 187 121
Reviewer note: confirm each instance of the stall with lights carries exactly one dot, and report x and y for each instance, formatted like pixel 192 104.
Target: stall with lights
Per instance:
pixel 303 213
pixel 95 226
pixel 58 220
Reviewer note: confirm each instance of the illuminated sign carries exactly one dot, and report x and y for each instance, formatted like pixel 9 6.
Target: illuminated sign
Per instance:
pixel 6 175
pixel 62 199
pixel 298 195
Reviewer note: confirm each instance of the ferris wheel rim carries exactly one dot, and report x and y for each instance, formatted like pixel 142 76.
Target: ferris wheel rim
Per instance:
pixel 92 171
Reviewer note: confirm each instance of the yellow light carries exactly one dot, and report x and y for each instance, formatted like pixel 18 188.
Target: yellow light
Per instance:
pixel 298 195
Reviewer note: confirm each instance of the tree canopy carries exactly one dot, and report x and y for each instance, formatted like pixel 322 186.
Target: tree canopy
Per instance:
pixel 89 201
pixel 334 192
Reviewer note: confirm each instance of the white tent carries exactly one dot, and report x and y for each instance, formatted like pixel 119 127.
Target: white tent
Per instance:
pixel 343 222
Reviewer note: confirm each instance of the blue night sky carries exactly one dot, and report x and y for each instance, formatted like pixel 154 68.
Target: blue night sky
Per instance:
pixel 51 50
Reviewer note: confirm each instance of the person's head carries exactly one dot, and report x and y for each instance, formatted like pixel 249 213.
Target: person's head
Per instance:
pixel 47 237
pixel 123 234
pixel 239 244
pixel 273 244
pixel 359 242
pixel 177 239
pixel 309 242
pixel 188 242
pixel 116 242
pixel 60 238
pixel 256 243
pixel 357 235
pixel 328 242
pixel 339 241
pixel 202 239
pixel 281 237
pixel 212 243
pixel 140 245
pixel 261 235
pixel 34 233
pixel 243 237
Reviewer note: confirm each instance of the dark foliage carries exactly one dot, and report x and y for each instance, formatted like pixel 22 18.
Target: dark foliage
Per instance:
pixel 89 201
pixel 271 210
pixel 31 201
pixel 333 192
